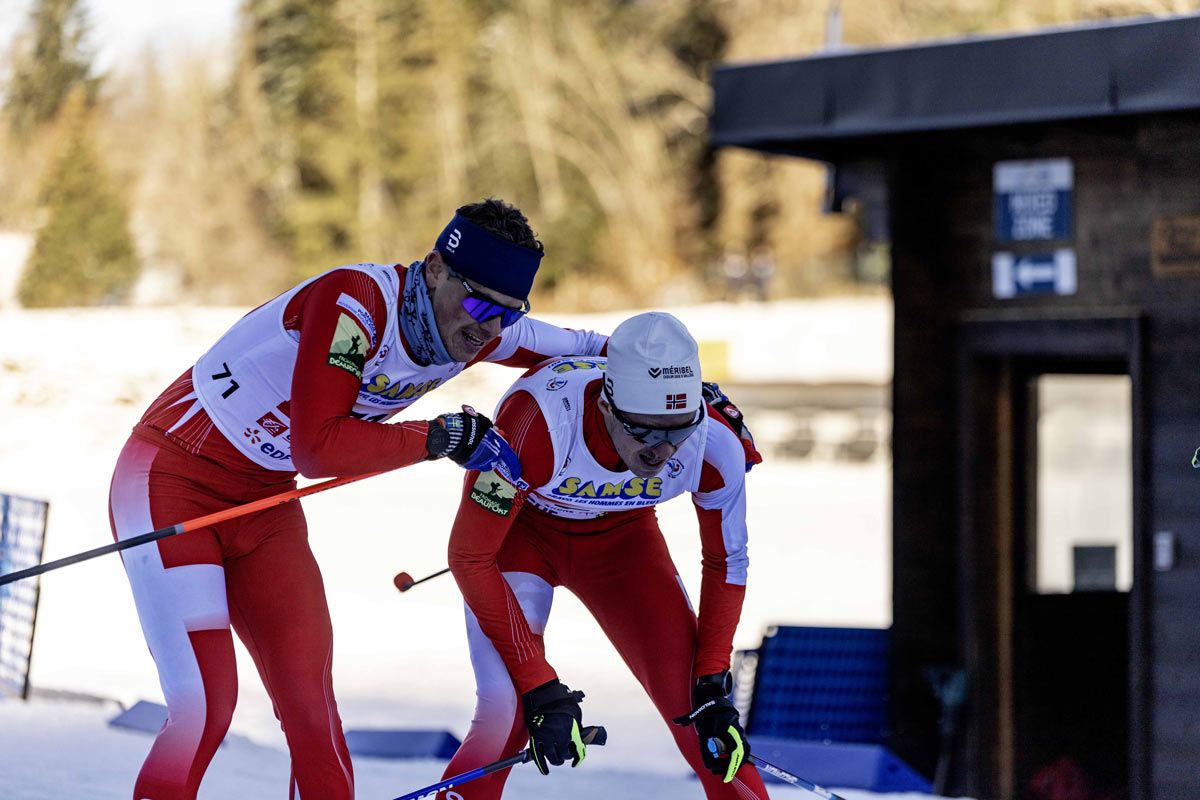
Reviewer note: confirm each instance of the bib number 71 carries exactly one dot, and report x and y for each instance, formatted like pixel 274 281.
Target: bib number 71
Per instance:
pixel 220 376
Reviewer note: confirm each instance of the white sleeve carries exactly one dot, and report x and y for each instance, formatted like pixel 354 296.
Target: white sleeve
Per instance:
pixel 531 341
pixel 723 490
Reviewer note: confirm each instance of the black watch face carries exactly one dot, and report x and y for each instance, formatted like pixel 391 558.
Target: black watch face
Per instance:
pixel 438 440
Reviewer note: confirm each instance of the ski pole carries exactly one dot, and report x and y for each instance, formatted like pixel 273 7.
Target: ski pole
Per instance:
pixel 404 581
pixel 717 748
pixel 592 734
pixel 184 527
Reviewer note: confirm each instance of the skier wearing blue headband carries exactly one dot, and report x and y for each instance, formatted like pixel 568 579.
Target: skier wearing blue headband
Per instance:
pixel 300 385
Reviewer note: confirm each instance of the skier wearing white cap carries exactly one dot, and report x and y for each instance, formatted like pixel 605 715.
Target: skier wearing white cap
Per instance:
pixel 299 385
pixel 602 441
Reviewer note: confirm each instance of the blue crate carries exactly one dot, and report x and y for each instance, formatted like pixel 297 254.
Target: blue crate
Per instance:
pixel 842 766
pixel 400 743
pixel 821 684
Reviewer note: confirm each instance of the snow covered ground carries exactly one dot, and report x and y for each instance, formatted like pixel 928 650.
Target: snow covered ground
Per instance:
pixel 93 761
pixel 72 383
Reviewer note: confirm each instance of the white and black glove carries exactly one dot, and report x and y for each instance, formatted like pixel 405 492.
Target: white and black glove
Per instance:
pixel 468 439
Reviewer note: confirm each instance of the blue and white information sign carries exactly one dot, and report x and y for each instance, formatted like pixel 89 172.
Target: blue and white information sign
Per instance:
pixel 1016 275
pixel 1033 199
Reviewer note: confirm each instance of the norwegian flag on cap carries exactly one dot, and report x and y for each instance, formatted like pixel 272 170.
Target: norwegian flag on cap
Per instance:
pixel 677 402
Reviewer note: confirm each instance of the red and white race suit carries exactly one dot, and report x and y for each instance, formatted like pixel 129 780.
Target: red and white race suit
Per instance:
pixel 272 397
pixel 585 522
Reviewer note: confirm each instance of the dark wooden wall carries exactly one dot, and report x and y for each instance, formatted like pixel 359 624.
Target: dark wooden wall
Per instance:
pixel 1128 172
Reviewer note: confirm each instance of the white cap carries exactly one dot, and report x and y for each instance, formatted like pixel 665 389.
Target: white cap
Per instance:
pixel 653 366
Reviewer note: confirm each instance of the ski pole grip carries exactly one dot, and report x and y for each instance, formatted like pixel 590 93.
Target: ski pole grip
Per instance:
pixel 595 734
pixel 716 746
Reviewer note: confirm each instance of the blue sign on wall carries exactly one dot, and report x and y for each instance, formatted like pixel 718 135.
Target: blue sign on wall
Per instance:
pixel 1037 273
pixel 1033 199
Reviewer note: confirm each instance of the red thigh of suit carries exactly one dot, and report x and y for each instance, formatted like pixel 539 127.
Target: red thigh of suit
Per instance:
pixel 256 572
pixel 626 579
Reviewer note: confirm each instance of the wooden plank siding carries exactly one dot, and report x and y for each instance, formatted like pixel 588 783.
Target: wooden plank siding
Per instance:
pixel 1128 172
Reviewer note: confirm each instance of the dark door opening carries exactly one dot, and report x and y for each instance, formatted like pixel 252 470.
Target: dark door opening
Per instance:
pixel 1054 631
pixel 1072 572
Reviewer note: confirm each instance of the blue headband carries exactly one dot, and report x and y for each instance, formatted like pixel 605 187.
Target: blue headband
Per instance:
pixel 477 253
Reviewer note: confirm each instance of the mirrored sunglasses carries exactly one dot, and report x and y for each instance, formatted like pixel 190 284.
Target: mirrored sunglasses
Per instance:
pixel 482 310
pixel 652 437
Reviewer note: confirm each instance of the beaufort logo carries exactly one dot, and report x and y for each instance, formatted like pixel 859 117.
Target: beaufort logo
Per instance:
pixel 348 349
pixel 494 493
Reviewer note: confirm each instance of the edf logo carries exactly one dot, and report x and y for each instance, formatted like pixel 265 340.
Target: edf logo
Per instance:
pixel 455 238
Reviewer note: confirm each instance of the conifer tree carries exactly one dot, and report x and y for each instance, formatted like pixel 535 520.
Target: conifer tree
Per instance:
pixel 301 55
pixel 83 254
pixel 53 60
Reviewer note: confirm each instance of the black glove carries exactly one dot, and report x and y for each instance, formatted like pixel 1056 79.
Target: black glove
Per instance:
pixel 732 415
pixel 469 440
pixel 715 718
pixel 553 717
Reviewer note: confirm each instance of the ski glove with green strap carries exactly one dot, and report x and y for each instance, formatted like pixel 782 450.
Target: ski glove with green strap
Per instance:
pixel 553 718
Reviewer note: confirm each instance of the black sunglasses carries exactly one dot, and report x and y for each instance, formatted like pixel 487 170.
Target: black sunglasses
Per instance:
pixel 482 309
pixel 652 437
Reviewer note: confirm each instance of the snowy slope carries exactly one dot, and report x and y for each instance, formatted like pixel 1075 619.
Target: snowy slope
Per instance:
pixel 53 751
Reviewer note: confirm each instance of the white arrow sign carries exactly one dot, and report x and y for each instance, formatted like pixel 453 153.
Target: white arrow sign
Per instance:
pixel 1039 273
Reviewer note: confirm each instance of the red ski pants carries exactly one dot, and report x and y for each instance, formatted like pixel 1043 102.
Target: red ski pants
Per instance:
pixel 256 573
pixel 626 579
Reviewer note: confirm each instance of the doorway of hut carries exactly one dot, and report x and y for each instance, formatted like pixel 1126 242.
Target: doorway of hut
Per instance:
pixel 1050 562
pixel 1073 554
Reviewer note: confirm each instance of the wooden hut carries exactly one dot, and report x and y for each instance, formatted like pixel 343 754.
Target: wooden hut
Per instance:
pixel 1041 195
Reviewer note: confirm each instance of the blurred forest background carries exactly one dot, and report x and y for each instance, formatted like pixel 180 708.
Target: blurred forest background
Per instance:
pixel 334 131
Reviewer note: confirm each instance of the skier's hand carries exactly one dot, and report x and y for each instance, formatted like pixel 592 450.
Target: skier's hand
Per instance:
pixel 467 438
pixel 721 403
pixel 553 717
pixel 715 718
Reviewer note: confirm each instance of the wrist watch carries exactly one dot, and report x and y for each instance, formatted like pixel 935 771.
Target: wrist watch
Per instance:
pixel 718 680
pixel 437 440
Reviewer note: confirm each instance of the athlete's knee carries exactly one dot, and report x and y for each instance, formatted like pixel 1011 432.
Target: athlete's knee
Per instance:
pixel 207 714
pixel 310 723
pixel 495 701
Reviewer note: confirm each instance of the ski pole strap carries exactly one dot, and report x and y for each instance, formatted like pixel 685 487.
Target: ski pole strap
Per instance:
pixel 716 747
pixel 592 734
pixel 184 527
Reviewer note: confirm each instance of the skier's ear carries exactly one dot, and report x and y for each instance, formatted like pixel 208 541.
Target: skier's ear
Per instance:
pixel 435 269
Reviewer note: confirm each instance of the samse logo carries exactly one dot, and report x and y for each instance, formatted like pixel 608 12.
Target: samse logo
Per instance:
pixel 574 364
pixel 630 489
pixel 382 386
